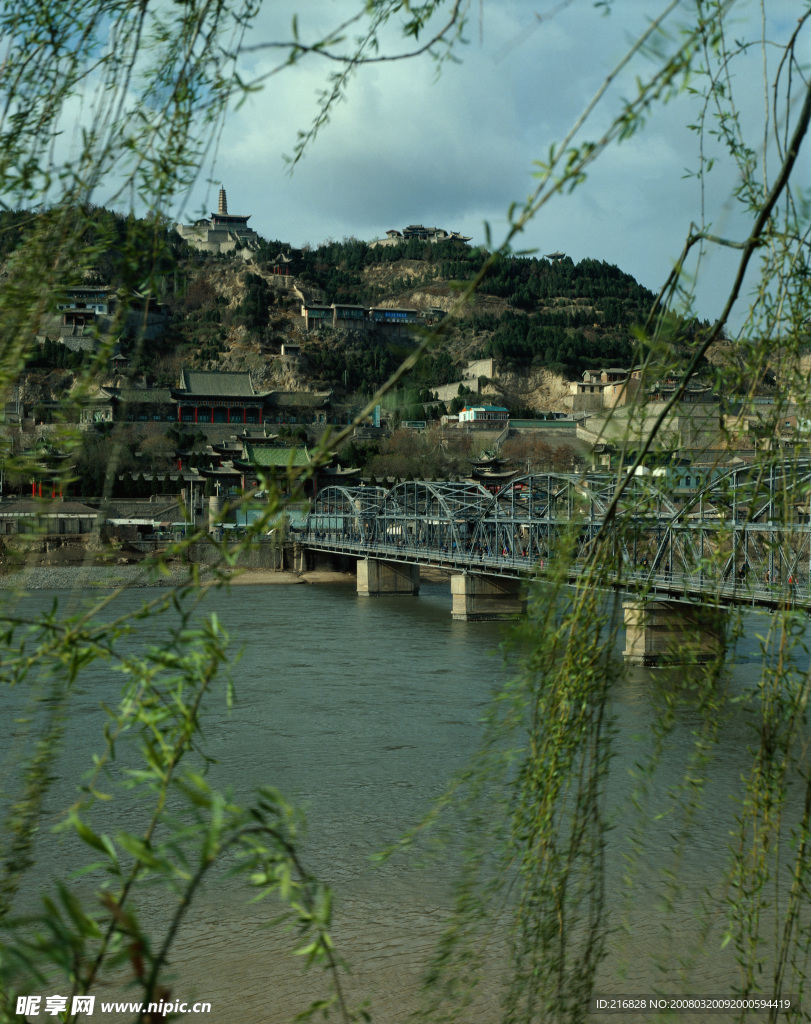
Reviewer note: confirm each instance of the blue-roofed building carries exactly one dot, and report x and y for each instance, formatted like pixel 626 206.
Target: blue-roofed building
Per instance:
pixel 484 414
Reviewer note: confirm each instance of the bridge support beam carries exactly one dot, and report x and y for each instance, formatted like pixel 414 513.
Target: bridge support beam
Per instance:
pixel 299 558
pixel 672 633
pixel 377 577
pixel 485 597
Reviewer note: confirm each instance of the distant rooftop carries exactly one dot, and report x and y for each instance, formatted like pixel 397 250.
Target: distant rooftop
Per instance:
pixel 52 507
pixel 212 383
pixel 265 456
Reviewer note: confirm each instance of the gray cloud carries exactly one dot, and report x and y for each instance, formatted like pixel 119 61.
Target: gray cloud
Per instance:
pixel 457 151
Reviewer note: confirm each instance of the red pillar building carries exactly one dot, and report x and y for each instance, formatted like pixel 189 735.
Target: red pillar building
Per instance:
pixel 214 397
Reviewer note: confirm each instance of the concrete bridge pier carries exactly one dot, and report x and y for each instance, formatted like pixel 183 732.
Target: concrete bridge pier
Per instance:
pixel 300 561
pixel 476 598
pixel 378 577
pixel 672 633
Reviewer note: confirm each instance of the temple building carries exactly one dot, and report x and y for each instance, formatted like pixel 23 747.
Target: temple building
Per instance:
pixel 421 233
pixel 298 406
pixel 388 320
pixel 217 397
pixel 280 265
pixel 253 464
pixel 222 232
pixel 134 402
pixel 492 471
pixel 88 314
pixel 49 469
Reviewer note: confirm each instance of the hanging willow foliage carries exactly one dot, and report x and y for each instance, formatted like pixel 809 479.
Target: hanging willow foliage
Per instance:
pixel 115 106
pixel 594 858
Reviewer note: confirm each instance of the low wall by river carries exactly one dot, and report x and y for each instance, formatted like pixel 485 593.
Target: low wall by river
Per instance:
pixel 258 556
pixel 275 557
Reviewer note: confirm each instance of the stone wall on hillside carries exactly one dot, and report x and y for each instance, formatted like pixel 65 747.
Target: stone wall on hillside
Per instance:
pixel 538 389
pixel 479 368
pixel 447 392
pixel 470 375
pixel 686 426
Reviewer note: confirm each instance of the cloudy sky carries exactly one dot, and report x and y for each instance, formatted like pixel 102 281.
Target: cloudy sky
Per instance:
pixel 456 150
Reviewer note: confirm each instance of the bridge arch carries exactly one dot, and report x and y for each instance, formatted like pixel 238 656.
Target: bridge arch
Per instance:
pixel 732 525
pixel 523 516
pixel 349 513
pixel 531 513
pixel 761 510
pixel 424 514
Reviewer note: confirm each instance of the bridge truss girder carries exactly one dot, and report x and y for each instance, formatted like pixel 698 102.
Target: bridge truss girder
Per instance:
pixel 729 523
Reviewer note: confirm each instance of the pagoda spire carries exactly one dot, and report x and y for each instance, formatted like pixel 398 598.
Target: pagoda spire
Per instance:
pixel 222 205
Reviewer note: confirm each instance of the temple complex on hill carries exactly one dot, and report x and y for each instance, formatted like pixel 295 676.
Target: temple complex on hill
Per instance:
pixel 422 234
pixel 221 232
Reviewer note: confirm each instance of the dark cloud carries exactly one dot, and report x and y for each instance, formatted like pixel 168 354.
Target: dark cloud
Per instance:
pixel 455 152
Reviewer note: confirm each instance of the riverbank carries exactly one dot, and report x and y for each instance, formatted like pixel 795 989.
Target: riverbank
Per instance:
pixel 87 577
pixel 70 577
pixel 111 577
pixel 265 577
pixel 428 574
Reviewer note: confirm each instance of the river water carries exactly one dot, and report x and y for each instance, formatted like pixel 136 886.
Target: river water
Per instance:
pixel 360 711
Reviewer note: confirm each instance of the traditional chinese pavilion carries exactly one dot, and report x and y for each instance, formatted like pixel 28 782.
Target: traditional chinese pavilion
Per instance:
pixel 217 397
pixel 492 471
pixel 260 460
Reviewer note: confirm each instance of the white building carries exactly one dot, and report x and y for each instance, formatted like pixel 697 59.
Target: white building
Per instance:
pixel 484 414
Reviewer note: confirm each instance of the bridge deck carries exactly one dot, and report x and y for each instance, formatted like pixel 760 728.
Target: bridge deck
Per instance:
pixel 515 565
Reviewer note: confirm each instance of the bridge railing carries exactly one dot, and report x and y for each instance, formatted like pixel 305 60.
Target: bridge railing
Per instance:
pixel 521 562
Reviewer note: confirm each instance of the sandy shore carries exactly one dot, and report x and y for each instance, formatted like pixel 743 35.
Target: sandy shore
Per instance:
pixel 252 577
pixel 263 576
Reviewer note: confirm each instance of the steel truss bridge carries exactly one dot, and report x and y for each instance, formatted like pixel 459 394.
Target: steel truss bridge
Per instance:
pixel 739 539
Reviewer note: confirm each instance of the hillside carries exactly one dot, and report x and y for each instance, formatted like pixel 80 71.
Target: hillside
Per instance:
pixel 529 313
pixel 542 321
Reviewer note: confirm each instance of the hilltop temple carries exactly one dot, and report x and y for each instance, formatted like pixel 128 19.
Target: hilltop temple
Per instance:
pixel 221 232
pixel 422 234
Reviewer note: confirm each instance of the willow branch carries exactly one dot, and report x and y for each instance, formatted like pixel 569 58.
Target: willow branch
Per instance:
pixel 754 241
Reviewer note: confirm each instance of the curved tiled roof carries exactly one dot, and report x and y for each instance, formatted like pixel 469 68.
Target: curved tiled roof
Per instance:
pixel 266 456
pixel 212 383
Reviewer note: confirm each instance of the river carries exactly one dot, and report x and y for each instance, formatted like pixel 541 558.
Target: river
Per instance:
pixel 360 711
